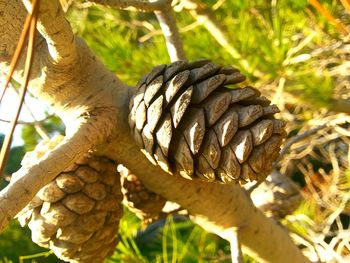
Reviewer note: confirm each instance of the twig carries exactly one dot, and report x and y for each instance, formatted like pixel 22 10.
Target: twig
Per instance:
pixel 218 4
pixel 165 16
pixel 171 33
pixel 236 249
pixel 153 33
pixel 206 17
pixel 35 122
pixel 297 138
pixel 136 4
pixel 27 68
pixel 66 4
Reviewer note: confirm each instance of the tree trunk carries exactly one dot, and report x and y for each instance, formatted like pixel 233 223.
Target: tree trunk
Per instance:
pixel 93 103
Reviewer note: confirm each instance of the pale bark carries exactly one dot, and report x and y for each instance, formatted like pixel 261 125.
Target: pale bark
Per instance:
pixel 236 248
pixel 171 33
pixel 164 13
pixel 87 93
pixel 56 31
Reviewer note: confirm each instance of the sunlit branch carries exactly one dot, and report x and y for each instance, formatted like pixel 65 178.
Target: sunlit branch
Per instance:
pixel 165 16
pixel 171 33
pixel 236 248
pixel 57 32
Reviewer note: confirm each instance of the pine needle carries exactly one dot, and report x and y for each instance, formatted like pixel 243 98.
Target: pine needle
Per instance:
pixel 324 11
pixel 32 18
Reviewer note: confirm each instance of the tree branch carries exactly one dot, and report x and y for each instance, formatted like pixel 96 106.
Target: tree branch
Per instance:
pixel 57 32
pixel 236 249
pixel 171 33
pixel 165 16
pixel 218 208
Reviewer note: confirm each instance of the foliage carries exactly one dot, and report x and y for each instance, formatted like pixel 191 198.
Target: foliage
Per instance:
pixel 31 137
pixel 280 42
pixel 172 239
pixel 16 246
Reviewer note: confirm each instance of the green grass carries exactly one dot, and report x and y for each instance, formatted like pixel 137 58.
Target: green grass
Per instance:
pixel 16 246
pixel 170 240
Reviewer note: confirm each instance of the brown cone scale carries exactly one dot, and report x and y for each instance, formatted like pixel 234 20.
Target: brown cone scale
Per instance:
pixel 188 122
pixel 145 204
pixel 77 214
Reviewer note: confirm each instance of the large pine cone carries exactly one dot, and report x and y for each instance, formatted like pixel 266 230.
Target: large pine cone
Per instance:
pixel 145 204
pixel 76 215
pixel 186 121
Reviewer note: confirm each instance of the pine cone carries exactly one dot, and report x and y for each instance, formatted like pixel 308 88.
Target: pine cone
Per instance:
pixel 76 215
pixel 187 122
pixel 277 197
pixel 145 204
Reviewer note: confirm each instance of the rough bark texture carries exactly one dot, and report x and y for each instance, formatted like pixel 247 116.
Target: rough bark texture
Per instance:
pixel 84 92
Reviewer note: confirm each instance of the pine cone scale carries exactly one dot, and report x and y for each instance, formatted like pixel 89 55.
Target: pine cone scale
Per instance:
pixel 173 86
pixel 145 204
pixel 204 88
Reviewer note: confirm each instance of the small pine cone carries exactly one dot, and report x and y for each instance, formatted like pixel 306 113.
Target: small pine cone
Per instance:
pixel 145 204
pixel 277 197
pixel 77 214
pixel 186 121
